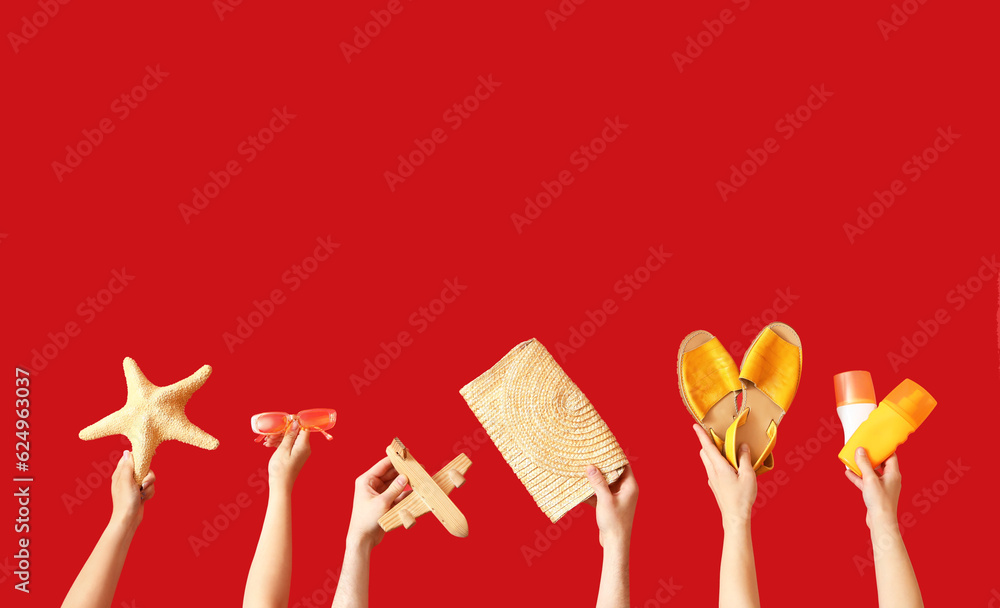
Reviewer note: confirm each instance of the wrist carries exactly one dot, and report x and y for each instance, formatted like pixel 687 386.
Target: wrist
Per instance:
pixel 736 523
pixel 124 524
pixel 279 489
pixel 359 542
pixel 885 538
pixel 882 513
pixel 616 543
pixel 883 523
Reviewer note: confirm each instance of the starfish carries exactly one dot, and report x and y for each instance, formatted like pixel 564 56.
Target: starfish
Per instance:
pixel 153 414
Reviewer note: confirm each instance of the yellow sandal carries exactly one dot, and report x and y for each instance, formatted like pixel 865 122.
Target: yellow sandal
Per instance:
pixel 706 376
pixel 770 373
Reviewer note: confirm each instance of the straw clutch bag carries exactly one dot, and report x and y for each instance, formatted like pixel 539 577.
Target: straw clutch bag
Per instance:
pixel 544 427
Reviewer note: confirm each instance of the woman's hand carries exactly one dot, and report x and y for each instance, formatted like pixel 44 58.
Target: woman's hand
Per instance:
pixel 735 490
pixel 127 498
pixel 375 492
pixel 880 491
pixel 288 459
pixel 615 505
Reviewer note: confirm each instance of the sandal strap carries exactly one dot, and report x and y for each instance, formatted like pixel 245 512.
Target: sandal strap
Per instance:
pixel 775 367
pixel 708 374
pixel 767 465
pixel 764 460
pixel 720 442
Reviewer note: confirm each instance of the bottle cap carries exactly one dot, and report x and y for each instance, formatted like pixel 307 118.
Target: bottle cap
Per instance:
pixel 911 401
pixel 853 387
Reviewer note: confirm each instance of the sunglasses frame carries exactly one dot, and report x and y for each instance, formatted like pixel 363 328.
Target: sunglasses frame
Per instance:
pixel 289 418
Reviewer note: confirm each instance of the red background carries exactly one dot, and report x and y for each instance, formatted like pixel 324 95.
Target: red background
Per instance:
pixel 655 185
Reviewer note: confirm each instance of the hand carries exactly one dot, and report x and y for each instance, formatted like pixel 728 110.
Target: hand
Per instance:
pixel 880 491
pixel 375 492
pixel 735 490
pixel 127 498
pixel 288 458
pixel 615 505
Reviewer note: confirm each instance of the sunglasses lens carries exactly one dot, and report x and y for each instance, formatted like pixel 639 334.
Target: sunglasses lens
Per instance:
pixel 270 423
pixel 321 418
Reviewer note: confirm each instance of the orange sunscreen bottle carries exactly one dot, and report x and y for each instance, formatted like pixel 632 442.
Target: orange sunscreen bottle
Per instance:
pixel 855 396
pixel 895 418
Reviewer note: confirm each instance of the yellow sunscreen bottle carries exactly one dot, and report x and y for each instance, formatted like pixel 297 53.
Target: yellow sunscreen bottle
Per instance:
pixel 896 417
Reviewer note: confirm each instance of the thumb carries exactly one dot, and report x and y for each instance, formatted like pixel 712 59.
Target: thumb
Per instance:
pixel 395 488
pixel 864 464
pixel 598 483
pixel 746 468
pixel 288 440
pixel 302 444
pixel 124 466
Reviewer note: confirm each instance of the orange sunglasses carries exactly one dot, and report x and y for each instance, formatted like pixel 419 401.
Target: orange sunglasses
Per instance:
pixel 276 423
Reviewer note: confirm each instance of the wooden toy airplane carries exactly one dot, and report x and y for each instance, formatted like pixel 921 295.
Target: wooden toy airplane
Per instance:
pixel 429 493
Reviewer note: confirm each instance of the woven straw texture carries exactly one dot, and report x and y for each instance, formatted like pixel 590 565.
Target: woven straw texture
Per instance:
pixel 544 426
